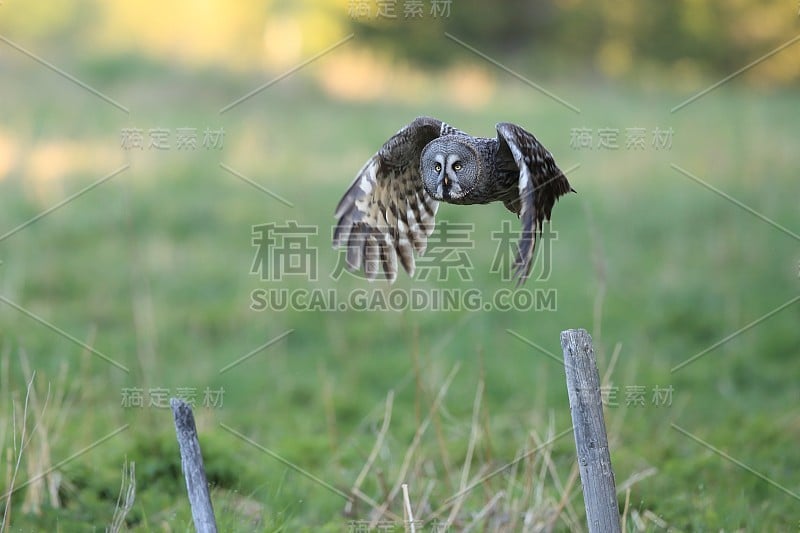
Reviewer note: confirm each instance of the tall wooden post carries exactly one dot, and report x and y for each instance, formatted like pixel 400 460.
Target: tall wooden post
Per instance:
pixel 591 441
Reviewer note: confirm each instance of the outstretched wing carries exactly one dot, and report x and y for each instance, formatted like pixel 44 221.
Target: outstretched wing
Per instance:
pixel 541 182
pixel 386 213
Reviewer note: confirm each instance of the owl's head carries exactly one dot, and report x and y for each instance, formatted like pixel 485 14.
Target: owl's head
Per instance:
pixel 449 167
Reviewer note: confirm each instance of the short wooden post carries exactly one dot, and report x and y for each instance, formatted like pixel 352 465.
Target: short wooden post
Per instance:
pixel 591 441
pixel 192 465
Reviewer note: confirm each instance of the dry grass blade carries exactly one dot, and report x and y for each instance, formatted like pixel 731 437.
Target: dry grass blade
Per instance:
pixel 611 365
pixel 654 518
pixel 638 523
pixel 424 505
pixel 5 388
pixel 19 449
pixel 636 477
pixel 387 418
pixel 625 509
pixel 483 513
pixel 565 496
pixel 376 507
pixel 502 469
pixel 473 438
pixel 505 517
pixel 415 443
pixel 39 460
pixel 125 500
pixel 551 467
pixel 408 515
pixel 401 385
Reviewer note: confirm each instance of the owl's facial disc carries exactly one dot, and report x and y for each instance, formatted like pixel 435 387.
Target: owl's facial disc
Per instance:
pixel 447 170
pixel 446 167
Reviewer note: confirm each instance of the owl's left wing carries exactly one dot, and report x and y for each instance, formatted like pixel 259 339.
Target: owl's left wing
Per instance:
pixel 541 182
pixel 386 212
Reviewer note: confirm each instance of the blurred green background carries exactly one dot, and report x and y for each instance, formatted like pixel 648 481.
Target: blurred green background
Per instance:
pixel 669 250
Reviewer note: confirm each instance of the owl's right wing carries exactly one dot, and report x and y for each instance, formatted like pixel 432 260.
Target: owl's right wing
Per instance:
pixel 386 213
pixel 541 183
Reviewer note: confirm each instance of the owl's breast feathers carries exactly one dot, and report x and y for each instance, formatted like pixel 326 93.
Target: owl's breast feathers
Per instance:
pixel 498 177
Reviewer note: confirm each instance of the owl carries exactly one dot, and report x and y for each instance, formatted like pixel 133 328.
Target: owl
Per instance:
pixel 388 212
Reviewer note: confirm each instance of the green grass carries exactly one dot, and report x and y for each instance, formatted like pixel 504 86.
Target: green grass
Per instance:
pixel 152 269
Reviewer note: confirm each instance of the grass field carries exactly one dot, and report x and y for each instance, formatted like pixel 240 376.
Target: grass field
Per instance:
pixel 152 268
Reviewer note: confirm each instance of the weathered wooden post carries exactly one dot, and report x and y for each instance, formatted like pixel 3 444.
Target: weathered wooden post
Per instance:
pixel 591 441
pixel 192 465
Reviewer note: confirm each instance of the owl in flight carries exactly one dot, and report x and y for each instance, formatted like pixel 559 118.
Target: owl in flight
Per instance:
pixel 388 211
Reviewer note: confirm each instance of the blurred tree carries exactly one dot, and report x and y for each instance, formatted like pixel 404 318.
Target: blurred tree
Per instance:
pixel 612 38
pixel 615 39
pixel 507 27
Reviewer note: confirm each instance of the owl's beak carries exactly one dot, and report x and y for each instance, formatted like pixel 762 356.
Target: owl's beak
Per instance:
pixel 446 182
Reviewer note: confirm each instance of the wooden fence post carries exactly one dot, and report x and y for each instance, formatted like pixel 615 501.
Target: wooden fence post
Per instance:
pixel 591 441
pixel 192 465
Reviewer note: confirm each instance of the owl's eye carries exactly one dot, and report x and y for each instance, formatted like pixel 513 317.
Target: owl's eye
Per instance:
pixel 457 166
pixel 437 167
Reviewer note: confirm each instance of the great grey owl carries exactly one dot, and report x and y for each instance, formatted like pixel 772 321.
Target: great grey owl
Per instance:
pixel 389 209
